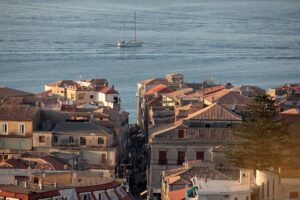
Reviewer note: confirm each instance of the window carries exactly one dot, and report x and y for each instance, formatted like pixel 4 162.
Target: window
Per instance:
pixel 35 180
pixel 180 133
pixel 228 125
pixel 85 197
pixel 82 141
pixel 4 128
pixel 116 100
pixel 293 195
pixel 72 96
pixel 22 128
pixel 180 157
pixel 91 96
pixel 162 157
pixel 100 140
pixel 42 139
pixel 81 96
pixel 71 139
pixel 207 125
pixel 199 155
pixel 55 139
pixel 103 158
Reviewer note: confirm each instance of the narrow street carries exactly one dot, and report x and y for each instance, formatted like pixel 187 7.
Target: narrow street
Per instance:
pixel 138 160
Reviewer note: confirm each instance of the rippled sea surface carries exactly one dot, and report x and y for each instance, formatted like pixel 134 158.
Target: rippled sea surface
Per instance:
pixel 237 41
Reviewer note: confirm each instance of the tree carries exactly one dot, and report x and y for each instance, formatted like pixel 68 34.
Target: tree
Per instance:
pixel 262 138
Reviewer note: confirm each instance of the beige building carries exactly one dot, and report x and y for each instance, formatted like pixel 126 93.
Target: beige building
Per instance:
pixel 83 92
pixel 17 123
pixel 193 138
pixel 92 143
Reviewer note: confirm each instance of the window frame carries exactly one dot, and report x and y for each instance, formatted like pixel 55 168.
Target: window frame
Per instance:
pixel 4 124
pixel 21 132
pixel 82 141
pixel 198 153
pixel 42 141
pixel 181 157
pixel 100 138
pixel 181 133
pixel 162 154
pixel 71 139
pixel 55 139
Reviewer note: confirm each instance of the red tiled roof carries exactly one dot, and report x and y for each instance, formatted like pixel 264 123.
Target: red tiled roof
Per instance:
pixel 44 94
pixel 108 90
pixel 161 88
pixel 177 194
pixel 292 111
pixel 213 89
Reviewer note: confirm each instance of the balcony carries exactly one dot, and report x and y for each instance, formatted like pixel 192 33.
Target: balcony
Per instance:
pixel 67 143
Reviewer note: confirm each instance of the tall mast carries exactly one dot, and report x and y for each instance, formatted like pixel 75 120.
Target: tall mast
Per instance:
pixel 134 26
pixel 124 27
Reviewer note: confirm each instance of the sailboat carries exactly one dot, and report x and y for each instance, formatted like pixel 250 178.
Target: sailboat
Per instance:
pixel 130 43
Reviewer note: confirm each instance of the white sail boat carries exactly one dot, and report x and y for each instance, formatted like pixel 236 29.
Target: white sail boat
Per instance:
pixel 130 43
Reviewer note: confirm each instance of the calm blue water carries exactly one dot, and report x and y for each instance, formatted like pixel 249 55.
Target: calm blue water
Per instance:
pixel 238 41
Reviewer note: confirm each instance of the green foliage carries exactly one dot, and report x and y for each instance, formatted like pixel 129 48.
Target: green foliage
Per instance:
pixel 262 137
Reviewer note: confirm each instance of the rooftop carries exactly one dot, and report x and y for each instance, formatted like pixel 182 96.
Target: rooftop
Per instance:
pixel 23 190
pixel 18 112
pixel 82 127
pixel 177 194
pixel 9 92
pixel 214 112
pixel 161 88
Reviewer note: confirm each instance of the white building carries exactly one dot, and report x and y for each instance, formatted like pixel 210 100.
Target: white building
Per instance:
pixel 208 189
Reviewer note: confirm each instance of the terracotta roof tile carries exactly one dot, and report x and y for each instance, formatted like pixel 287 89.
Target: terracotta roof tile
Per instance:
pixel 159 89
pixel 214 112
pixel 108 90
pixel 177 194
pixel 226 97
pixel 179 93
pixel 293 111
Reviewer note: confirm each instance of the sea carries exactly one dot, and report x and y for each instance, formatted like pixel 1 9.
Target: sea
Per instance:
pixel 253 42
